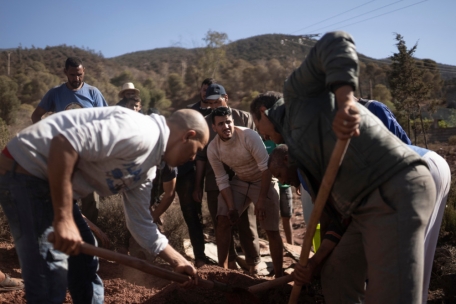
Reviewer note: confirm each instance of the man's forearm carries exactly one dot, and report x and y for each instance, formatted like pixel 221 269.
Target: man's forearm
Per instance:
pixel 344 95
pixel 266 178
pixel 200 170
pixel 163 206
pixel 61 163
pixel 323 251
pixel 173 257
pixel 228 197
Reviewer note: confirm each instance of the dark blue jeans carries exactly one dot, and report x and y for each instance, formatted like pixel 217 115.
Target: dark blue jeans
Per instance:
pixel 191 211
pixel 47 273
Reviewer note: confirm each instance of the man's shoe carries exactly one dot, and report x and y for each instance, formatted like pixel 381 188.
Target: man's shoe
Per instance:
pixel 204 261
pixel 9 284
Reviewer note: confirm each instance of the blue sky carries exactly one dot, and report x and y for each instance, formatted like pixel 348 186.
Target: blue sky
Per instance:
pixel 117 27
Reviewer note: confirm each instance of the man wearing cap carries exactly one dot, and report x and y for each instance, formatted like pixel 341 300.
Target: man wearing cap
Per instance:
pixel 73 153
pixel 128 91
pixel 202 106
pixel 74 94
pixel 248 232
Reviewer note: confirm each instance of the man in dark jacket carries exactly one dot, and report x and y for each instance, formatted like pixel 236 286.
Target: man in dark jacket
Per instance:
pixel 382 185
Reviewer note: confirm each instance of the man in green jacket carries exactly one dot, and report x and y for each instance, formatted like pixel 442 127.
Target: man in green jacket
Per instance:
pixel 382 185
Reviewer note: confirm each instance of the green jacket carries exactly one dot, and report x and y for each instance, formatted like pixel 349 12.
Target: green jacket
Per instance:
pixel 305 122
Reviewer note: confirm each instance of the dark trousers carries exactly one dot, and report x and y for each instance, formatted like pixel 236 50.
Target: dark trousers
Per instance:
pixel 191 210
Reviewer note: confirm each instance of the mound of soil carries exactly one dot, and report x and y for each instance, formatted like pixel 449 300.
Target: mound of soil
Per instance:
pixel 175 293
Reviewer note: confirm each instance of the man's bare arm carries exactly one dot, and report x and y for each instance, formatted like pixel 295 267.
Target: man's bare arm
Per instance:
pixel 266 177
pixel 200 170
pixel 303 274
pixel 347 119
pixel 169 189
pixel 228 197
pixel 62 161
pixel 178 262
pixel 37 114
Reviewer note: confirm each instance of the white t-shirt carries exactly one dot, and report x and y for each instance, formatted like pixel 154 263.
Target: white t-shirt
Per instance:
pixel 118 150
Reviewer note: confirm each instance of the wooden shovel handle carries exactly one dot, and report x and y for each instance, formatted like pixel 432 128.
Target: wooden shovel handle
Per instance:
pixel 141 265
pixel 323 193
pixel 136 263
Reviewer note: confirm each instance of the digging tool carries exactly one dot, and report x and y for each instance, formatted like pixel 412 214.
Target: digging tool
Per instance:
pixel 323 193
pixel 325 188
pixel 238 295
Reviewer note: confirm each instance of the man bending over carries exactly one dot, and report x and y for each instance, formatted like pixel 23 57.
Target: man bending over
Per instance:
pixel 243 151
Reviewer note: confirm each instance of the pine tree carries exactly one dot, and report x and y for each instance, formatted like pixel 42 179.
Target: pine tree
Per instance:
pixel 408 90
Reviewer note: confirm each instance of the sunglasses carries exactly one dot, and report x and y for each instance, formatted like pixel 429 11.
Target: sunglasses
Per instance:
pixel 221 111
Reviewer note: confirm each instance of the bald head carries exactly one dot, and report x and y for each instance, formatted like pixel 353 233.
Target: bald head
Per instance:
pixel 189 134
pixel 187 119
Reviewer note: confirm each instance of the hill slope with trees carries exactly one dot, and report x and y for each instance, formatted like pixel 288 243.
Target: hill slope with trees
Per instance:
pixel 169 77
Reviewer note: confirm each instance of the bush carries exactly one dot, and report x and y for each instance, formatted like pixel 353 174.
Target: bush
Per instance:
pixel 449 216
pixel 4 134
pixel 452 140
pixel 111 220
pixel 449 219
pixel 443 124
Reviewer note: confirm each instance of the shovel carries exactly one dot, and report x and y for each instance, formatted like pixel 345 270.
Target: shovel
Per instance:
pixel 325 188
pixel 239 295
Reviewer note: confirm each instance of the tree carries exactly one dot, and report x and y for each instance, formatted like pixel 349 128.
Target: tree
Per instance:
pixel 382 94
pixel 124 77
pixel 9 103
pixel 158 100
pixel 176 87
pixel 214 54
pixel 408 89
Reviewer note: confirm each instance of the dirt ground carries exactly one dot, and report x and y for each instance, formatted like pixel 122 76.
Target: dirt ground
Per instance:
pixel 126 285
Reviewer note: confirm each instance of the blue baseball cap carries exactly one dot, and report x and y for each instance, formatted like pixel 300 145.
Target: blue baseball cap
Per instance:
pixel 215 91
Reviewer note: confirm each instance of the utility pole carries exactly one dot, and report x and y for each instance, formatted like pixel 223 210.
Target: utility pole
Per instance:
pixel 9 56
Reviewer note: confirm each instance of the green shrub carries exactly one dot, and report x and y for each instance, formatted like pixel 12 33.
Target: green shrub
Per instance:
pixel 443 124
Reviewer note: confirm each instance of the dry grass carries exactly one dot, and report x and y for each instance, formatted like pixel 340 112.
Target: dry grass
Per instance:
pixel 5 233
pixel 111 220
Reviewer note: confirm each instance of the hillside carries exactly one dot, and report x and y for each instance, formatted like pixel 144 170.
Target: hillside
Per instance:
pixel 169 77
pixel 253 49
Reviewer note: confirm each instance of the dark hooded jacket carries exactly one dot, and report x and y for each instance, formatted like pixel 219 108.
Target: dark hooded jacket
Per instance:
pixel 305 123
